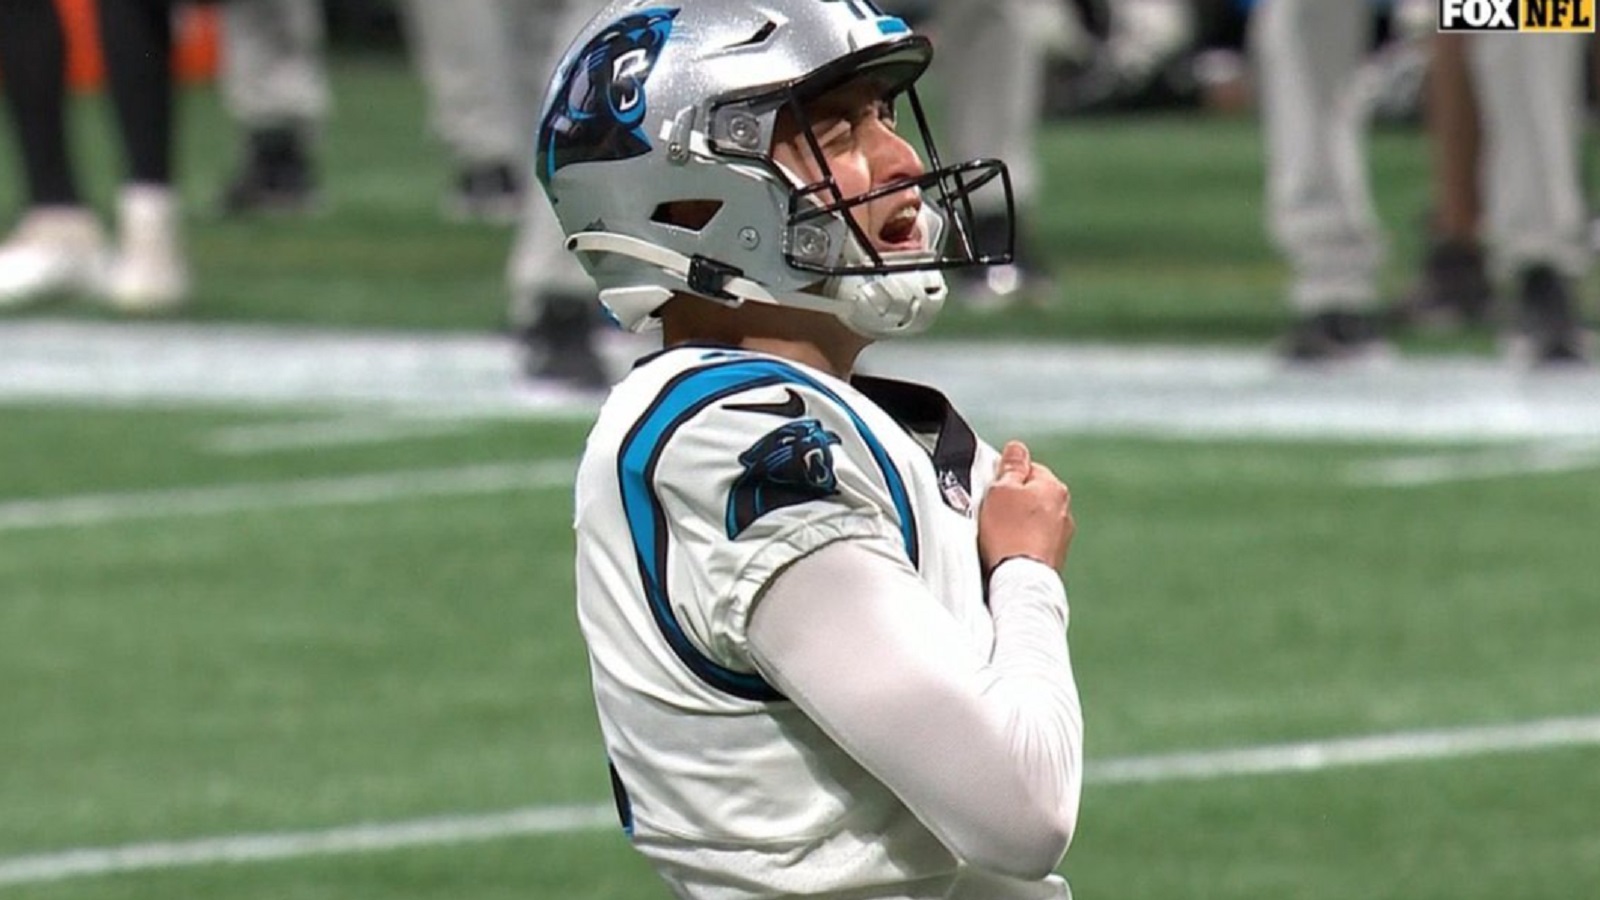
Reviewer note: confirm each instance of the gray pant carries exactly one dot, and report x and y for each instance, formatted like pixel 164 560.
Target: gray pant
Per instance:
pixel 484 65
pixel 273 73
pixel 991 62
pixel 1319 205
pixel 1530 101
pixel 540 266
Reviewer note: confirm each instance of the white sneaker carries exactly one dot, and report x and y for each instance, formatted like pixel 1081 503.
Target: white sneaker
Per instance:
pixel 54 249
pixel 149 273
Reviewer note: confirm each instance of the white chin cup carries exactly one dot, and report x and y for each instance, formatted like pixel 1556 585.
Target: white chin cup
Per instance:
pixel 879 306
pixel 897 303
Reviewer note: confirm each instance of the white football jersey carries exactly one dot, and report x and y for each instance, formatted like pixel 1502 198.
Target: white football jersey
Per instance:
pixel 708 471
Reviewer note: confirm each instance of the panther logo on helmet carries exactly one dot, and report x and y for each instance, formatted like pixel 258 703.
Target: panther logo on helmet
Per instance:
pixel 600 100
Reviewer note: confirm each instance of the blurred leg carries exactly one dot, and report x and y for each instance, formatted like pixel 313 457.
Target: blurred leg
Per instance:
pixel 275 85
pixel 993 68
pixel 1454 140
pixel 1319 206
pixel 1454 285
pixel 136 36
pixel 1318 199
pixel 540 266
pixel 149 273
pixel 274 73
pixel 33 56
pixel 57 244
pixel 553 306
pixel 464 54
pixel 1530 92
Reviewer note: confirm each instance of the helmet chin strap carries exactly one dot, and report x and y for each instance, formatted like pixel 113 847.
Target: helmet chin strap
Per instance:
pixel 872 305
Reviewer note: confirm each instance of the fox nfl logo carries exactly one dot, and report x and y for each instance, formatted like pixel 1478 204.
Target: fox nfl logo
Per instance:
pixel 1533 16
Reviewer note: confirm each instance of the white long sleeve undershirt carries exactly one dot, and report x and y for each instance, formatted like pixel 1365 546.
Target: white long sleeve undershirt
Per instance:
pixel 988 753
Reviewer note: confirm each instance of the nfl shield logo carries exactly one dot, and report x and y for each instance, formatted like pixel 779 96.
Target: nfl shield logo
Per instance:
pixel 955 496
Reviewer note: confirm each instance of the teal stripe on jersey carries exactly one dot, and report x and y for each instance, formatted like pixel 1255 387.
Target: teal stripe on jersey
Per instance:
pixel 680 400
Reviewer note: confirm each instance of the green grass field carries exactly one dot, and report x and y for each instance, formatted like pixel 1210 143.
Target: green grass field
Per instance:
pixel 203 639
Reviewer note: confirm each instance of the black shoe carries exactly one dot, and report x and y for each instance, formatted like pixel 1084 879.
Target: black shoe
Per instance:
pixel 488 193
pixel 275 178
pixel 560 346
pixel 1333 337
pixel 1548 328
pixel 1453 291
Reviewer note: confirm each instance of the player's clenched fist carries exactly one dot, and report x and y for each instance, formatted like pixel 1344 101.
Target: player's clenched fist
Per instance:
pixel 1027 512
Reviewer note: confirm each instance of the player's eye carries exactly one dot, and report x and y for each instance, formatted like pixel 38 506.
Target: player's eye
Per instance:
pixel 835 135
pixel 887 111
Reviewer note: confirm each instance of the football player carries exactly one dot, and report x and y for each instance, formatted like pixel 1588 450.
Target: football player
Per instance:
pixel 825 620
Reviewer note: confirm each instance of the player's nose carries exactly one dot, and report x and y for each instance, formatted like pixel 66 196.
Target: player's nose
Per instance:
pixel 893 158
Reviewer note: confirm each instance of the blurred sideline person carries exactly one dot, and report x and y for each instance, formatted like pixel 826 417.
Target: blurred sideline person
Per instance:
pixel 58 244
pixel 1453 287
pixel 474 60
pixel 1515 151
pixel 995 61
pixel 275 86
pixel 825 621
pixel 1319 203
pixel 1529 92
pixel 1505 116
pixel 467 54
pixel 993 65
pixel 552 307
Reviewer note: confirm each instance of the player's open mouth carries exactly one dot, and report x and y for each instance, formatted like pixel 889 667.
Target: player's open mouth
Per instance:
pixel 901 232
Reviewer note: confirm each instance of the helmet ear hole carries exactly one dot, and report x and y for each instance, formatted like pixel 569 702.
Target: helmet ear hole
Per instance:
pixel 689 215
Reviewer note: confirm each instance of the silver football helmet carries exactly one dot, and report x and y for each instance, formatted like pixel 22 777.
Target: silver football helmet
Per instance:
pixel 661 106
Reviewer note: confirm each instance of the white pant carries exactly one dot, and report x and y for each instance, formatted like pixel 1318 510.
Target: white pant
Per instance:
pixel 1319 207
pixel 539 266
pixel 1530 100
pixel 274 73
pixel 484 64
pixel 990 60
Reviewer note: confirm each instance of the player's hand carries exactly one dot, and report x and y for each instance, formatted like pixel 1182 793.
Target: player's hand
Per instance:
pixel 1027 512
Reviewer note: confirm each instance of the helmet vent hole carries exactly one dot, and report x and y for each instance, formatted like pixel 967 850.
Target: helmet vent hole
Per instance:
pixel 689 215
pixel 759 38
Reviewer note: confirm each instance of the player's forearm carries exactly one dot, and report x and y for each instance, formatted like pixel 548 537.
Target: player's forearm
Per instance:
pixel 1034 684
pixel 969 746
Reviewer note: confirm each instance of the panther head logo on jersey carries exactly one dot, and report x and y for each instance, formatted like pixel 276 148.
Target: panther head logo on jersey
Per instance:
pixel 599 105
pixel 791 465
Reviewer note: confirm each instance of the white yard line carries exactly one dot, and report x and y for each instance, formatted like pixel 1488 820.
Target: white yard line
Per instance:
pixel 1310 756
pixel 1183 391
pixel 346 431
pixel 383 487
pixel 291 845
pixel 1315 756
pixel 1499 462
